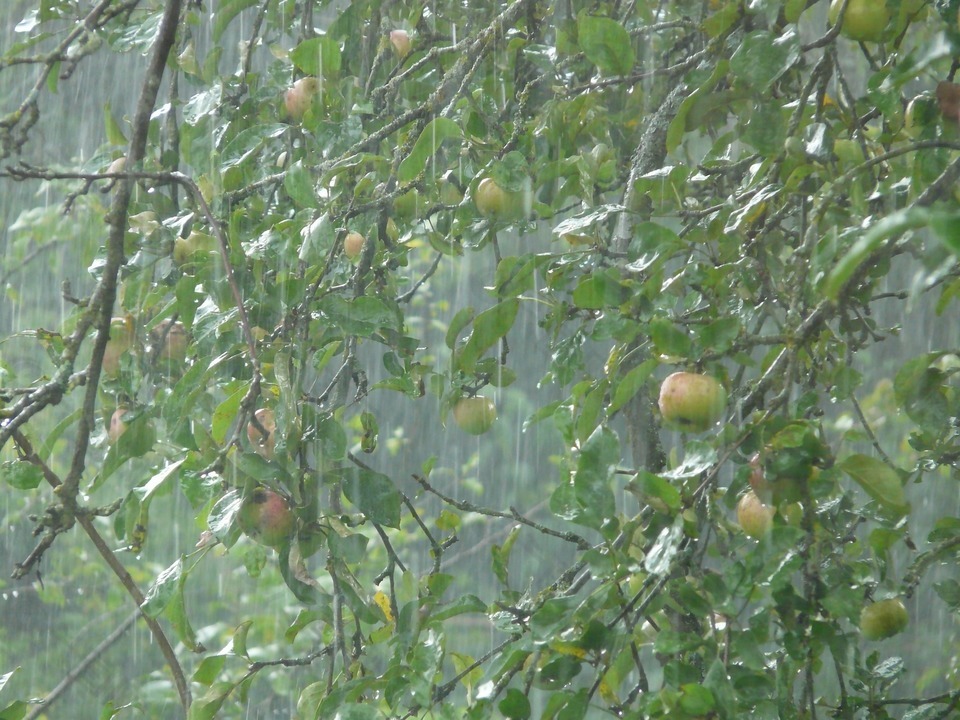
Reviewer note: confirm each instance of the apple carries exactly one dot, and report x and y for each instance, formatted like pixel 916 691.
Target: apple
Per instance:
pixel 920 115
pixel 266 516
pixel 175 341
pixel 263 444
pixel 863 21
pixel 353 245
pixel 883 619
pixel 120 342
pixel 401 42
pixel 117 426
pixel 754 518
pixel 185 248
pixel 691 402
pixel 493 201
pixel 474 415
pixel 299 98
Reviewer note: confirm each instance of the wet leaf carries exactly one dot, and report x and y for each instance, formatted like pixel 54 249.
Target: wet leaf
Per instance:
pixel 880 481
pixel 606 43
pixel 432 136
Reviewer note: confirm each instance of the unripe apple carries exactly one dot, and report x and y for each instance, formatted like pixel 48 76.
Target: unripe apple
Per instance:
pixel 401 42
pixel 754 518
pixel 474 415
pixel 118 165
pixel 883 619
pixel 299 98
pixel 266 516
pixel 120 342
pixel 263 445
pixel 691 402
pixel 353 245
pixel 864 20
pixel 117 426
pixel 175 341
pixel 493 201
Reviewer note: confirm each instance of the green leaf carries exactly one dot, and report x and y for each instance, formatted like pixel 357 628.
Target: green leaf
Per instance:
pixel 514 705
pixel 889 226
pixel 488 328
pixel 299 186
pixel 501 556
pixel 659 561
pixel 115 134
pixel 919 390
pixel 762 57
pixel 669 339
pixel 599 290
pixel 463 318
pixel 208 705
pixel 21 474
pixel 16 710
pixel 374 494
pixel 227 10
pixel 881 482
pixel 436 131
pixel 629 385
pixel 162 590
pixel 362 316
pixel 318 56
pixel 606 43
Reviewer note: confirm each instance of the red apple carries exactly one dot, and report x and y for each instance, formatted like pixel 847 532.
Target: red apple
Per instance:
pixel 691 402
pixel 754 518
pixel 299 98
pixel 883 619
pixel 401 43
pixel 353 245
pixel 263 445
pixel 475 415
pixel 266 516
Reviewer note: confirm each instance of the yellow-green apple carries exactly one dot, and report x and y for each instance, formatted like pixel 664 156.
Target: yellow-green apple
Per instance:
pixel 754 518
pixel 883 619
pixel 691 402
pixel 474 415
pixel 864 20
pixel 263 444
pixel 175 341
pixel 353 245
pixel 117 426
pixel 266 516
pixel 493 201
pixel 120 342
pixel 299 98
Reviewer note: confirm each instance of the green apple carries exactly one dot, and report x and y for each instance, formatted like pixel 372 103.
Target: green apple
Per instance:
pixel 493 201
pixel 401 43
pixel 474 415
pixel 921 115
pixel 266 516
pixel 175 341
pixel 754 518
pixel 353 245
pixel 263 445
pixel 117 425
pixel 691 402
pixel 864 20
pixel 299 98
pixel 883 619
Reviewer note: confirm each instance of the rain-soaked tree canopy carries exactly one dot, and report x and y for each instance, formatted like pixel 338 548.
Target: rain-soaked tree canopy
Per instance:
pixel 383 359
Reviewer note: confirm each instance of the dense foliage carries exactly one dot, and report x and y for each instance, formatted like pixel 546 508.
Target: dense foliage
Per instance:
pixel 318 233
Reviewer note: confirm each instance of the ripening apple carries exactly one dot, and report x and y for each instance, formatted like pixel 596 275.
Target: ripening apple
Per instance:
pixel 864 20
pixel 754 518
pixel 493 201
pixel 299 98
pixel 883 619
pixel 175 341
pixel 401 43
pixel 117 426
pixel 263 445
pixel 691 402
pixel 266 516
pixel 475 415
pixel 353 245
pixel 120 342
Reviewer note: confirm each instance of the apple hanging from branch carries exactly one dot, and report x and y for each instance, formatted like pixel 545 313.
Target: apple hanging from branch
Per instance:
pixel 474 415
pixel 300 97
pixel 883 619
pixel 267 517
pixel 691 402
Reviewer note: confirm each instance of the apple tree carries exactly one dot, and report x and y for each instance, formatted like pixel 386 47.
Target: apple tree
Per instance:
pixel 362 399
